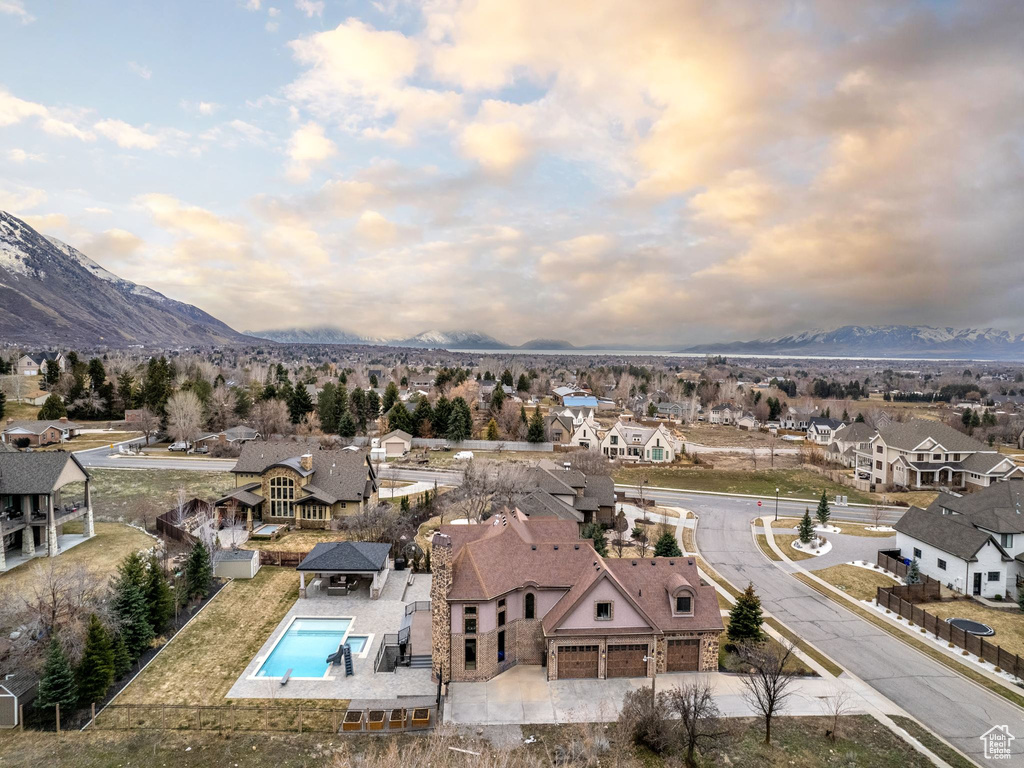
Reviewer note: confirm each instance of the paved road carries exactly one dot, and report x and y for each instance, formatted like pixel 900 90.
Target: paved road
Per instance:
pixel 102 458
pixel 950 705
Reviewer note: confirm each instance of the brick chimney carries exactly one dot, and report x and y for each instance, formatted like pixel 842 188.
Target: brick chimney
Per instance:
pixel 306 462
pixel 64 419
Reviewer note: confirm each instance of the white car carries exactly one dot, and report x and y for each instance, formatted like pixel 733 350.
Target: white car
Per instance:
pixel 181 445
pixel 464 456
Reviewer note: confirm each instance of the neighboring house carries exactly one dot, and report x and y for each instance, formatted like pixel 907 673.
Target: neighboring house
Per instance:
pixel 580 403
pixel 635 443
pixel 678 412
pixel 847 441
pixel 581 414
pixel 17 691
pixel 31 365
pixel 512 592
pixel 585 436
pixel 559 428
pixel 798 419
pixel 560 393
pixel 973 543
pixel 395 443
pixel 929 454
pixel 233 436
pixel 821 428
pixel 592 497
pixel 748 422
pixel 301 485
pixel 40 433
pixel 33 504
pixel 724 413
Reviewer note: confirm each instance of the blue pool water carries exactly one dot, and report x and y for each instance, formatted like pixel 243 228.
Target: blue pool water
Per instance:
pixel 267 530
pixel 304 648
pixel 357 643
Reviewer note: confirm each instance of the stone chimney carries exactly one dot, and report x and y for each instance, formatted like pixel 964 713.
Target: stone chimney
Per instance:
pixel 306 462
pixel 440 610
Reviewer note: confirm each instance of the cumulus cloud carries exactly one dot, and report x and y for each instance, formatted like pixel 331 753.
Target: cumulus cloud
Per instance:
pixel 19 198
pixel 308 148
pixel 140 69
pixel 126 135
pixel 310 7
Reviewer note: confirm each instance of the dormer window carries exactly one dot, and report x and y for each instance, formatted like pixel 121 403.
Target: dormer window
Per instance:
pixel 684 604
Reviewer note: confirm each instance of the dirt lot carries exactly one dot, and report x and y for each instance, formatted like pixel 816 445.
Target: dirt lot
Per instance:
pixel 142 494
pixel 717 435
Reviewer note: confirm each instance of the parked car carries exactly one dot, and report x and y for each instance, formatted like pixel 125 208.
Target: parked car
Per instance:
pixel 180 445
pixel 201 449
pixel 463 456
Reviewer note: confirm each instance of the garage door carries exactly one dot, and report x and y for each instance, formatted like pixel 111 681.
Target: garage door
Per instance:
pixel 576 661
pixel 627 660
pixel 683 655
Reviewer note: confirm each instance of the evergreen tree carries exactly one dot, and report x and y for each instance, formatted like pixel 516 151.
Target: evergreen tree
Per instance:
pixel 96 671
pixel 913 572
pixel 860 418
pixel 535 431
pixel 423 418
pixel 459 422
pixel 442 412
pixel 806 528
pixel 299 404
pixel 57 685
pixel 497 398
pixel 158 596
pixel 390 397
pixel 522 415
pixel 506 378
pixel 523 385
pixel 372 405
pixel 326 410
pixel 823 513
pixel 745 617
pixel 373 381
pixel 595 532
pixel 346 425
pixel 400 418
pixel 492 430
pixel 404 504
pixel 667 546
pixel 122 661
pixel 52 409
pixel 52 372
pixel 131 610
pixel 198 572
pixel 357 407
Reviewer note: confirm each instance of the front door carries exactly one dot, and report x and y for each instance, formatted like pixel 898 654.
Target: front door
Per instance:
pixel 977 584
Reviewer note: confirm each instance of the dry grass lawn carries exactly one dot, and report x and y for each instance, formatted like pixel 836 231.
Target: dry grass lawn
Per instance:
pixel 205 659
pixel 719 435
pixel 296 541
pixel 85 442
pixel 848 529
pixel 859 583
pixel 784 541
pixel 146 493
pixel 100 554
pixel 1009 624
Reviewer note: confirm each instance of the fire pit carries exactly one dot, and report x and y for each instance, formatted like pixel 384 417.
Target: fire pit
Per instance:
pixel 972 627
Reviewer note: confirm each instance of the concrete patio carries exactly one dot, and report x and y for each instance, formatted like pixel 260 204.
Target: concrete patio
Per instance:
pixel 369 617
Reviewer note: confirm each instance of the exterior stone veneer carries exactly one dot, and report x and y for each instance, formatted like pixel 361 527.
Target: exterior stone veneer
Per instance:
pixel 339 509
pixel 602 642
pixel 440 610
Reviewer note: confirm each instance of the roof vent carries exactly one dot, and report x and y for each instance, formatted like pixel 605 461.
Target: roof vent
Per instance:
pixel 533 547
pixel 576 546
pixel 653 563
pixel 556 546
pixel 634 563
pixel 671 562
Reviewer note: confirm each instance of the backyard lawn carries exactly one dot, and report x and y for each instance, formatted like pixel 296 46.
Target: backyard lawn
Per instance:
pixel 142 494
pixel 859 583
pixel 100 555
pixel 296 541
pixel 205 659
pixel 1008 624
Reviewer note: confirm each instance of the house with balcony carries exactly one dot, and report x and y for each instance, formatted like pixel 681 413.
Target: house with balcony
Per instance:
pixel 923 454
pixel 972 543
pixel 847 441
pixel 39 493
pixel 632 442
pixel 300 484
pixel 514 591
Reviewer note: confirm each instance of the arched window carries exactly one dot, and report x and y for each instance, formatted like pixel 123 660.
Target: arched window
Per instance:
pixel 282 494
pixel 530 609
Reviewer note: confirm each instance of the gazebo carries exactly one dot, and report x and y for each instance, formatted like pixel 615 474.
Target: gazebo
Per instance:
pixel 339 567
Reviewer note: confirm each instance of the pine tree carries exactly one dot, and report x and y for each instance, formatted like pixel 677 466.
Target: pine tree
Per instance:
pixel 745 617
pixel 497 398
pixel 523 385
pixel 52 409
pixel 823 513
pixel 667 546
pixel 806 528
pixel 346 426
pixel 423 418
pixel 122 661
pixel 96 670
pixel 595 532
pixel 198 572
pixel 390 396
pixel 3 404
pixel 357 407
pixel 57 685
pixel 442 412
pixel 299 404
pixel 404 504
pixel 913 572
pixel 400 418
pixel 132 613
pixel 460 421
pixel 522 415
pixel 535 431
pixel 158 596
pixel 326 410
pixel 133 568
pixel 492 430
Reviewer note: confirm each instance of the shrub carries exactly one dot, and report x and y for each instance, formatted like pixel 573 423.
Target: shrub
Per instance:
pixel 644 720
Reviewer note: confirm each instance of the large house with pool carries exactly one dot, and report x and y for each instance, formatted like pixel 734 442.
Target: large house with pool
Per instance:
pixel 516 591
pixel 289 483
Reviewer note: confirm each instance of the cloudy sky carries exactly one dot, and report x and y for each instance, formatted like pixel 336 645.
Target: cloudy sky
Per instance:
pixel 592 170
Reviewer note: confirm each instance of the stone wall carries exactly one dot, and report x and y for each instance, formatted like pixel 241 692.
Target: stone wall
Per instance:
pixel 440 610
pixel 602 656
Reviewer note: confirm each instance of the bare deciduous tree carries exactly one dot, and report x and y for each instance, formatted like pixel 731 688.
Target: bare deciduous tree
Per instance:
pixel 767 687
pixel 310 425
pixel 270 417
pixel 184 415
pixel 148 423
pixel 700 720
pixel 836 704
pixel 510 420
pixel 222 408
pixel 591 462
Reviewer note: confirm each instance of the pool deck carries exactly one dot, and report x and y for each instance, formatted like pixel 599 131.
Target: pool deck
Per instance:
pixel 375 617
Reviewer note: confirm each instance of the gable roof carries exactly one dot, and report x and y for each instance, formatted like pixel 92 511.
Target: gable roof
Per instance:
pixel 343 475
pixel 822 421
pixel 910 434
pixel 33 473
pixel 540 504
pixel 38 426
pixel 857 432
pixel 397 433
pixel 998 508
pixel 950 533
pixel 361 556
pixel 585 584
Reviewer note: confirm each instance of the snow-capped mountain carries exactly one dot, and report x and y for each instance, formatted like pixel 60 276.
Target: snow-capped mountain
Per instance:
pixel 52 293
pixel 425 340
pixel 908 341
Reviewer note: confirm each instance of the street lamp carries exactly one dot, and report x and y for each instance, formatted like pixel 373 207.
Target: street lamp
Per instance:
pixel 776 505
pixel 654 673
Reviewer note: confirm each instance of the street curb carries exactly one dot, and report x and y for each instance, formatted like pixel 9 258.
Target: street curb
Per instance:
pixel 754 496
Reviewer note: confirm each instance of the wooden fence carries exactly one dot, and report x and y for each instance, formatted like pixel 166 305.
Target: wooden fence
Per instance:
pixel 285 559
pixel 264 719
pixel 896 565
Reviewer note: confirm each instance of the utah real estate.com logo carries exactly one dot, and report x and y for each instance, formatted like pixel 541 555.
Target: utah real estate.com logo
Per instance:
pixel 997 742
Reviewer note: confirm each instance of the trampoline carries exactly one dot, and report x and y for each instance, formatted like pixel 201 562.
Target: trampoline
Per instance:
pixel 972 627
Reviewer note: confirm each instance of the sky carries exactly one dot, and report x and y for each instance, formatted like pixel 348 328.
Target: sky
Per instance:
pixel 659 172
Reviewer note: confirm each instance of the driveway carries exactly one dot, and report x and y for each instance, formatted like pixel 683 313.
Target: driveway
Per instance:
pixel 522 695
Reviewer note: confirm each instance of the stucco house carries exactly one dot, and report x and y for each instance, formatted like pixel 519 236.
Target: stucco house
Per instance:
pixel 40 432
pixel 847 440
pixel 798 419
pixel 921 453
pixel 636 443
pixel 300 484
pixel 514 592
pixel 972 543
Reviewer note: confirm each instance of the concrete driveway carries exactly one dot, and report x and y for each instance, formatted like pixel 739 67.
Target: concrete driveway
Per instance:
pixel 522 696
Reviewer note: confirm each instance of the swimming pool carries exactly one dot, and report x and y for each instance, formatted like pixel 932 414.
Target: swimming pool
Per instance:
pixel 357 643
pixel 304 648
pixel 266 530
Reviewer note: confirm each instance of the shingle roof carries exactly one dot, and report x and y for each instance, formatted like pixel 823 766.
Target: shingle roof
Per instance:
pixel 984 462
pixel 37 427
pixel 361 556
pixel 19 683
pixel 397 433
pixel 912 433
pixel 540 504
pixel 343 474
pixel 857 432
pixel 950 533
pixel 237 554
pixel 552 482
pixel 33 473
pixel 822 421
pixel 998 508
pixel 243 495
pixel 601 488
pixel 650 586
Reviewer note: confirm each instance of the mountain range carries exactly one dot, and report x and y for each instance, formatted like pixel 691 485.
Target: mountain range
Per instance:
pixel 51 293
pixel 432 339
pixel 906 341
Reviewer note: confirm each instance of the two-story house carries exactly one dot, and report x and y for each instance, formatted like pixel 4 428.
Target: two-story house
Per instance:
pixel 590 497
pixel 921 453
pixel 514 592
pixel 847 440
pixel 724 413
pixel 821 428
pixel 798 419
pixel 973 543
pixel 300 484
pixel 636 443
